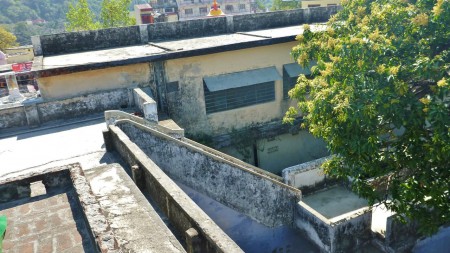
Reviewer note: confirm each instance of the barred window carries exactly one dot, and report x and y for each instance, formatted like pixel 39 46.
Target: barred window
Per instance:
pixel 239 97
pixel 188 11
pixel 239 89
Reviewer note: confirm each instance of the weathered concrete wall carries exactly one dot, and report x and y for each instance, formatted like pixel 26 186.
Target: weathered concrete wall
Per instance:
pixel 80 83
pixel 172 129
pixel 34 113
pixel 132 35
pixel 13 117
pixel 89 40
pixel 187 104
pixel 345 233
pixel 187 29
pixel 143 99
pixel 266 200
pixel 400 237
pixel 259 21
pixel 84 105
pixel 178 207
pixel 306 174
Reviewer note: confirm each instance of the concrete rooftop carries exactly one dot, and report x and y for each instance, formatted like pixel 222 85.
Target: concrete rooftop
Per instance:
pixel 164 50
pixel 334 201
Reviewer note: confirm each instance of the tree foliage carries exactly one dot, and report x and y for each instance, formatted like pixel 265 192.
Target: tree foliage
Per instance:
pixel 278 5
pixel 7 39
pixel 115 13
pixel 80 17
pixel 380 99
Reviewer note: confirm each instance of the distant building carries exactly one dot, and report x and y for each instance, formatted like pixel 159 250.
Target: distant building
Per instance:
pixel 319 3
pixel 194 9
pixel 144 14
pixel 19 54
pixel 167 10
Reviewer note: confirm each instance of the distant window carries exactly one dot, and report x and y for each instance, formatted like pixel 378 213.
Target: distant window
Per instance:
pixel 313 5
pixel 229 8
pixel 188 11
pixel 203 10
pixel 241 7
pixel 169 10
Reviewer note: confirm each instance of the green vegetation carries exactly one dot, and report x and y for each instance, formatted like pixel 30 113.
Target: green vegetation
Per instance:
pixel 114 13
pixel 80 17
pixel 15 13
pixel 7 39
pixel 380 98
pixel 278 5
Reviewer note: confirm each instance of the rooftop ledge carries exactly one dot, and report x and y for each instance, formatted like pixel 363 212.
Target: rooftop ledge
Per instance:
pixel 164 50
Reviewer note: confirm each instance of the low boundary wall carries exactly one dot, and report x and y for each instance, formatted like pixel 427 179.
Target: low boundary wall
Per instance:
pixel 345 233
pixel 177 206
pixel 260 197
pixel 305 175
pixel 36 112
pixel 72 42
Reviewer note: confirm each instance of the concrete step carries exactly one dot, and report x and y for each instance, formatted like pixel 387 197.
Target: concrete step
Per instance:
pixel 135 223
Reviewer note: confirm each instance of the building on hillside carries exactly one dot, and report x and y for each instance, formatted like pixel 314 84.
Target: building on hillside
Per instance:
pixel 194 9
pixel 319 3
pixel 144 14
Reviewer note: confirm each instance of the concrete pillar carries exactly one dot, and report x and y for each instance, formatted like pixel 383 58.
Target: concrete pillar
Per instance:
pixel 37 47
pixel 193 242
pixel 13 87
pixel 32 114
pixel 230 24
pixel 144 33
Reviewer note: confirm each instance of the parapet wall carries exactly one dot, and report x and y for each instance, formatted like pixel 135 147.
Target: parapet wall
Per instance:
pixel 33 113
pixel 183 213
pixel 345 233
pixel 262 198
pixel 63 43
pixel 72 42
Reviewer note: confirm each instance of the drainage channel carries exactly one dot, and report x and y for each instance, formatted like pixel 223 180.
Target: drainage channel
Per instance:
pixel 250 235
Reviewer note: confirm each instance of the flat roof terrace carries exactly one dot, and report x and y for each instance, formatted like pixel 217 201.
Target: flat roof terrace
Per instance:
pixel 165 50
pixel 335 201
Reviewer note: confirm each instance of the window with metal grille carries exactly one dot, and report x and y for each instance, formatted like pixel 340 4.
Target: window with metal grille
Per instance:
pixel 229 99
pixel 229 8
pixel 188 11
pixel 203 10
pixel 241 7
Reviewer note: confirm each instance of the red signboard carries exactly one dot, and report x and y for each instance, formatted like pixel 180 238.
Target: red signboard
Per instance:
pixel 22 67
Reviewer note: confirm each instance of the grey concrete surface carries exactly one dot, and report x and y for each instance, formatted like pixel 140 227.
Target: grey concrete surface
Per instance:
pixel 334 201
pixel 135 223
pixel 41 149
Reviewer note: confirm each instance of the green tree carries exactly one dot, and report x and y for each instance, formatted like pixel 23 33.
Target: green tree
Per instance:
pixel 380 99
pixel 7 39
pixel 80 17
pixel 115 13
pixel 285 5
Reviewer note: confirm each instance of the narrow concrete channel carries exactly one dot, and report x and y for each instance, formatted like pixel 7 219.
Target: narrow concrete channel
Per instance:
pixel 250 235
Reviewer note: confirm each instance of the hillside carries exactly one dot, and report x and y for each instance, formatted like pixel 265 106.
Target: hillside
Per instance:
pixel 14 11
